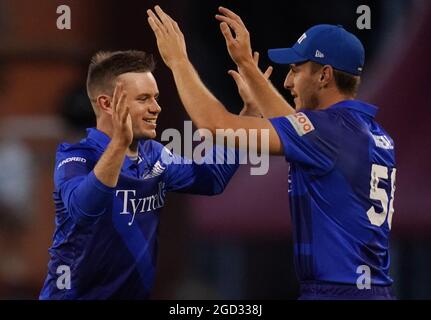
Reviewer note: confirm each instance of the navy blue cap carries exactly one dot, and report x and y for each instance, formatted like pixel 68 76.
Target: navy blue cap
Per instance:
pixel 324 44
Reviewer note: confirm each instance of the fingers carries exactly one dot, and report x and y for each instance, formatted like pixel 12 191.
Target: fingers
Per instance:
pixel 268 72
pixel 161 23
pixel 231 15
pixel 237 77
pixel 116 95
pixel 176 27
pixel 227 33
pixel 119 106
pixel 155 22
pixel 156 29
pixel 164 17
pixel 256 57
pixel 237 28
pixel 123 108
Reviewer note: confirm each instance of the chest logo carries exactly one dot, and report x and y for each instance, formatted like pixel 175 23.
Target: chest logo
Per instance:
pixel 157 170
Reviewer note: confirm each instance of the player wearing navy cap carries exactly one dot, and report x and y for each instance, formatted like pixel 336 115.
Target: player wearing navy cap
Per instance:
pixel 111 186
pixel 324 44
pixel 342 163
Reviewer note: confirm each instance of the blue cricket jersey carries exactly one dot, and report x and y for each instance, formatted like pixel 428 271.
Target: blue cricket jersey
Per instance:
pixel 105 241
pixel 341 191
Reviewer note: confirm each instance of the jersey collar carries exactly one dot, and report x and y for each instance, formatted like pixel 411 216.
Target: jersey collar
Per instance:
pixel 358 106
pixel 100 138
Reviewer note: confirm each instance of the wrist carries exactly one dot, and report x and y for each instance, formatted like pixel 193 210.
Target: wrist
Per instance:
pixel 246 63
pixel 250 111
pixel 180 63
pixel 119 144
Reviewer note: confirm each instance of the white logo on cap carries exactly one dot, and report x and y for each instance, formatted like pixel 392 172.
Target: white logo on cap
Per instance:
pixel 302 38
pixel 319 54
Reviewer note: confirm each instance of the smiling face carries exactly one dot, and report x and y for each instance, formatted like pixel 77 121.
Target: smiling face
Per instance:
pixel 303 83
pixel 142 96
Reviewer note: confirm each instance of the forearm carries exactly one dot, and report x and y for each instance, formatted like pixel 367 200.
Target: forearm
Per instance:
pixel 201 105
pixel 210 176
pixel 91 196
pixel 270 102
pixel 108 168
pixel 248 111
pixel 88 198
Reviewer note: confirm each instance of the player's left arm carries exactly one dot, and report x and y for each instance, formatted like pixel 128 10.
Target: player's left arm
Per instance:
pixel 269 101
pixel 209 177
pixel 204 109
pixel 251 105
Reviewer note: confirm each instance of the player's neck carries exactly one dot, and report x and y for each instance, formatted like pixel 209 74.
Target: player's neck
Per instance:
pixel 106 128
pixel 328 100
pixel 132 151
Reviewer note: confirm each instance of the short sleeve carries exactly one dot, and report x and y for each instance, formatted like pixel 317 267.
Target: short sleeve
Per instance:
pixel 84 196
pixel 309 139
pixel 71 163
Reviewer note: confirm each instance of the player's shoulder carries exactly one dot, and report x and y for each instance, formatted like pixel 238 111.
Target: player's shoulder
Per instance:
pixel 316 121
pixel 153 150
pixel 320 117
pixel 381 137
pixel 379 129
pixel 306 123
pixel 150 145
pixel 82 152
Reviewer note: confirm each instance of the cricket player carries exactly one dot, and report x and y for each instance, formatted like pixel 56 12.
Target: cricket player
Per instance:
pixel 342 162
pixel 111 186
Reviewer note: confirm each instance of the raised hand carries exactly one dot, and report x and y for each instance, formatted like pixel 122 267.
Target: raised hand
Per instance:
pixel 238 46
pixel 250 105
pixel 121 120
pixel 170 39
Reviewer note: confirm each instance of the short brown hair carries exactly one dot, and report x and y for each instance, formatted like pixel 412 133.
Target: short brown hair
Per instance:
pixel 346 83
pixel 106 66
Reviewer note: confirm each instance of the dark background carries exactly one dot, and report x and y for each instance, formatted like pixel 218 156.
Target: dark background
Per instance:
pixel 236 245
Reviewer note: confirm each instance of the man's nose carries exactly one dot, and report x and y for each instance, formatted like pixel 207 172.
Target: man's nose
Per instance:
pixel 288 82
pixel 155 108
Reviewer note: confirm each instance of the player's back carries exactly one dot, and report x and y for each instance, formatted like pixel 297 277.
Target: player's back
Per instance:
pixel 342 215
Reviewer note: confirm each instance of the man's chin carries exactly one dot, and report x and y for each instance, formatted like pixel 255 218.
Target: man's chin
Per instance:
pixel 150 134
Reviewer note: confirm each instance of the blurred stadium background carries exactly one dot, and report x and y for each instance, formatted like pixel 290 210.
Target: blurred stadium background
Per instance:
pixel 237 245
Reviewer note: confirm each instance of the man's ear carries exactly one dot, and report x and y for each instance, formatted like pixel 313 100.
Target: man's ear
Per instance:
pixel 326 76
pixel 104 104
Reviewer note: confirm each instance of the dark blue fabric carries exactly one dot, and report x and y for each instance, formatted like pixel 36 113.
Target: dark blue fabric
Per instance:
pixel 108 237
pixel 334 190
pixel 327 291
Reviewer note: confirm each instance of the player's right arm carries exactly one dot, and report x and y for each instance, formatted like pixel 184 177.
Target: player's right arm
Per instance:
pixel 251 107
pixel 86 193
pixel 204 109
pixel 108 168
pixel 270 102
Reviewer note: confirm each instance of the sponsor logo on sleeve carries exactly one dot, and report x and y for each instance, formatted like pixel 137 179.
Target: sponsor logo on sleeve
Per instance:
pixel 383 142
pixel 71 159
pixel 301 123
pixel 157 170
